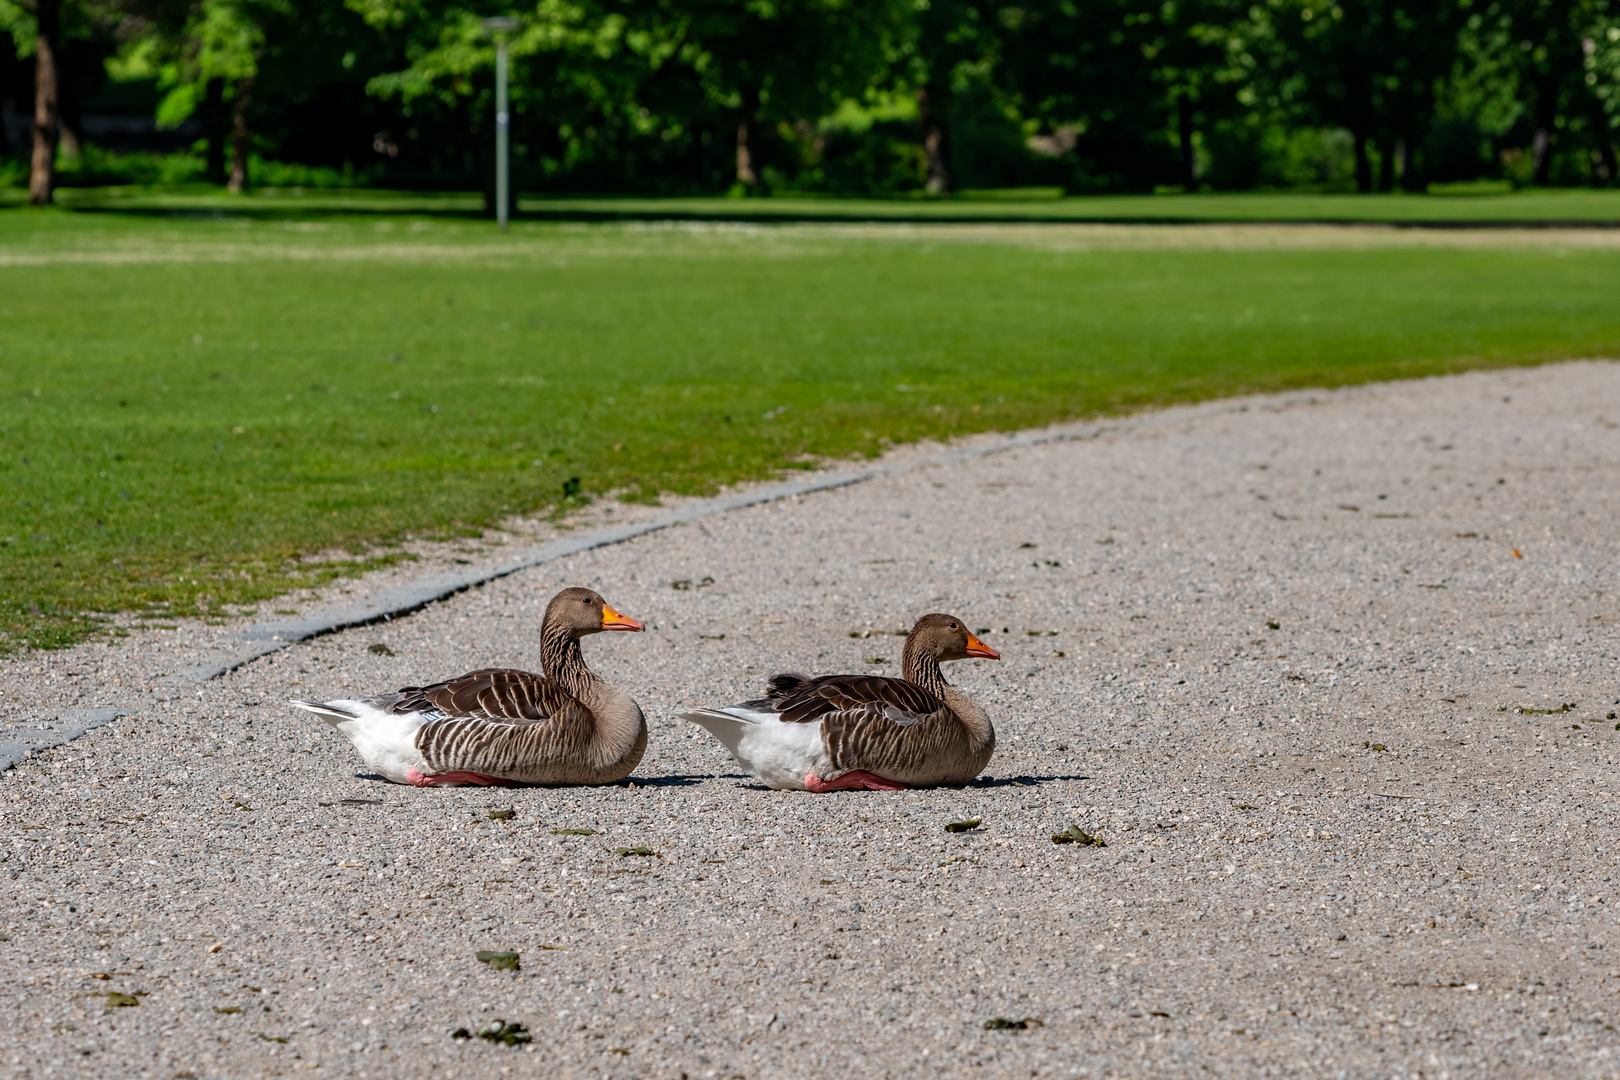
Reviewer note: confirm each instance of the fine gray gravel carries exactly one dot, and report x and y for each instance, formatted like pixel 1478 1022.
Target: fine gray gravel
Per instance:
pixel 1292 657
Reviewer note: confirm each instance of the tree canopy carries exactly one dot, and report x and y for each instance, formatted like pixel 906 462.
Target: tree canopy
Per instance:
pixel 873 96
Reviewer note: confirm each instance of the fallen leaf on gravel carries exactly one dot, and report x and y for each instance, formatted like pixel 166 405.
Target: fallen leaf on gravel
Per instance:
pixel 502 815
pixel 682 585
pixel 227 1010
pixel 115 1000
pixel 99 975
pixel 1076 835
pixel 1378 746
pixel 712 637
pixel 558 947
pixel 964 826
pixel 573 832
pixel 636 851
pixel 500 961
pixel 876 660
pixel 947 862
pixel 1244 806
pixel 499 1031
pixel 380 649
pixel 244 806
pixel 270 1038
pixel 1517 554
pixel 1001 1023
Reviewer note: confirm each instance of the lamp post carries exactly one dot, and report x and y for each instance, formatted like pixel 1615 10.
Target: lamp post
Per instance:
pixel 500 26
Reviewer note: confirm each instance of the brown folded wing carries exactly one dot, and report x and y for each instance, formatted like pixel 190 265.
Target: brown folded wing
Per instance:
pixel 492 694
pixel 798 700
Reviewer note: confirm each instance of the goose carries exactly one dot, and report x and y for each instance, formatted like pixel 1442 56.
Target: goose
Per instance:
pixel 498 727
pixel 865 731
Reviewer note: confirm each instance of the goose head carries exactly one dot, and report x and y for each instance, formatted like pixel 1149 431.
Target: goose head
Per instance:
pixel 945 637
pixel 583 611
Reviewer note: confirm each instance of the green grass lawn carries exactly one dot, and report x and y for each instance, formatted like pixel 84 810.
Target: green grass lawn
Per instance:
pixel 189 402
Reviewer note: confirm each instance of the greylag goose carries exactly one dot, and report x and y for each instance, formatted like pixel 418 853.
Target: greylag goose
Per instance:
pixel 501 727
pixel 865 731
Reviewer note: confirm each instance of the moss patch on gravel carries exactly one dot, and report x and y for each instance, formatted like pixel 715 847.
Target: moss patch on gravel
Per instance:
pixel 201 413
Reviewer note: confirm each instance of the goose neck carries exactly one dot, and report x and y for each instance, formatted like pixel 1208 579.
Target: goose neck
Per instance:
pixel 919 666
pixel 564 663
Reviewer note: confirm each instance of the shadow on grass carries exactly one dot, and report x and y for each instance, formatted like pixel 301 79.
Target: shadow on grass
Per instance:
pixel 1584 209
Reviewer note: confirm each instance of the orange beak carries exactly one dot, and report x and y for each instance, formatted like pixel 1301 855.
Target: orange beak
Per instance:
pixel 979 648
pixel 612 620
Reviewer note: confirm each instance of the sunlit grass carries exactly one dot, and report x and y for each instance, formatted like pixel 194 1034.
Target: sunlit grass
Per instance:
pixel 188 404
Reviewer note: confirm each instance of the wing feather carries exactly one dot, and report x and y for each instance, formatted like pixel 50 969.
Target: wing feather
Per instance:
pixel 518 697
pixel 800 700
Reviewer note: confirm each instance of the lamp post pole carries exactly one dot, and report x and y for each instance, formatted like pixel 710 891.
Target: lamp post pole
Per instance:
pixel 500 27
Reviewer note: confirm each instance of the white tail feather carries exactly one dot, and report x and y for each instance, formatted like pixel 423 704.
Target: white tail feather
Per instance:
pixel 776 752
pixel 330 713
pixel 726 727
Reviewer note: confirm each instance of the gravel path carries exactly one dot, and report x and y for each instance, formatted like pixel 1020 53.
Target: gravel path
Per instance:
pixel 1303 661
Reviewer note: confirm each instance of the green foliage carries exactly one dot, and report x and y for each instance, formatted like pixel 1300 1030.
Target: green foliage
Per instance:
pixel 202 413
pixel 654 96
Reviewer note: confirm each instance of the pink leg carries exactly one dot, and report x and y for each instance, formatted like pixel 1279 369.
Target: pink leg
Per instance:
pixel 860 778
pixel 440 779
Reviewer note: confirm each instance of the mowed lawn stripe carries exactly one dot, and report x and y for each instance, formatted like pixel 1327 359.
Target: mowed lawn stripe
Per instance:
pixel 431 393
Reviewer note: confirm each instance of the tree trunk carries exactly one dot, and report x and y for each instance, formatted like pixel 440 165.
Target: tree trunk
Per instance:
pixel 1408 163
pixel 1363 165
pixel 747 176
pixel 239 137
pixel 47 115
pixel 1189 157
pixel 935 152
pixel 213 118
pixel 1541 145
pixel 1386 165
pixel 1607 170
pixel 1541 151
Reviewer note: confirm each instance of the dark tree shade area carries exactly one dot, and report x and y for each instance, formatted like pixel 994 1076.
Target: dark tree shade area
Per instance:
pixel 857 96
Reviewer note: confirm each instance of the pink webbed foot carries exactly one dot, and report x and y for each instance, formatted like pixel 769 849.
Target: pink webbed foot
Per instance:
pixel 858 779
pixel 420 779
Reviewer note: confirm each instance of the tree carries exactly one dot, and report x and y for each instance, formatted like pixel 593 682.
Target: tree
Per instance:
pixel 570 57
pixel 1550 44
pixel 1602 77
pixel 780 60
pixel 213 65
pixel 36 27
pixel 944 45
pixel 1132 81
pixel 1372 67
